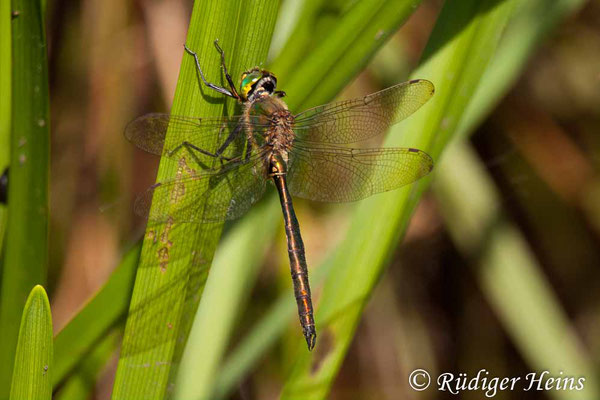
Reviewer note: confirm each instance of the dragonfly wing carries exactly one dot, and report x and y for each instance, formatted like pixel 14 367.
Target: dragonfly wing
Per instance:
pixel 206 196
pixel 334 174
pixel 355 120
pixel 200 138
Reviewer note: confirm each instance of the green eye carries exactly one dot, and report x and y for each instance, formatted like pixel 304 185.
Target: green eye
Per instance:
pixel 247 81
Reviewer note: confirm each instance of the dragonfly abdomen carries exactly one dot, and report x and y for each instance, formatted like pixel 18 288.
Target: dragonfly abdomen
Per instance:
pixel 298 267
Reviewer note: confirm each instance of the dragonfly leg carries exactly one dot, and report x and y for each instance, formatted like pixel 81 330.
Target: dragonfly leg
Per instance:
pixel 248 149
pixel 236 131
pixel 227 76
pixel 192 149
pixel 219 89
pixel 246 159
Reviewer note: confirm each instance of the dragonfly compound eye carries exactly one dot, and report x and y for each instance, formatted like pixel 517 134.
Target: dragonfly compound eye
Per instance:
pixel 256 83
pixel 247 85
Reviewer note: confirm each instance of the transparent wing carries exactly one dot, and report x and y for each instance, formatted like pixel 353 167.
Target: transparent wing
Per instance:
pixel 189 134
pixel 355 120
pixel 334 174
pixel 206 196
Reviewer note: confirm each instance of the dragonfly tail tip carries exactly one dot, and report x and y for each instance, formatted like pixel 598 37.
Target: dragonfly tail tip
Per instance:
pixel 311 338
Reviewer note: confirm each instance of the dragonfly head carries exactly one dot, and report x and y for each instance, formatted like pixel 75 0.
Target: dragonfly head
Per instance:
pixel 257 83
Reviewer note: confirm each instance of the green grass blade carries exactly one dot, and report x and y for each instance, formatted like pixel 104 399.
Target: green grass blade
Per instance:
pixel 530 24
pixel 5 101
pixel 26 257
pixel 33 358
pixel 341 54
pixel 263 336
pixel 234 270
pixel 173 267
pixel 460 47
pixel 5 81
pixel 81 384
pixel 507 272
pixel 95 319
pixel 300 40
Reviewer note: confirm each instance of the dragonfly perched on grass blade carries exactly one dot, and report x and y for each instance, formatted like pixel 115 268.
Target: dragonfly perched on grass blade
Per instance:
pixel 229 160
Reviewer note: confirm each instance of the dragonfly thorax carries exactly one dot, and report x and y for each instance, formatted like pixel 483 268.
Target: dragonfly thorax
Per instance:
pixel 257 83
pixel 281 134
pixel 273 112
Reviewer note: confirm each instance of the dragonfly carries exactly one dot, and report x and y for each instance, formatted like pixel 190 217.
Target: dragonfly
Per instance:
pixel 229 160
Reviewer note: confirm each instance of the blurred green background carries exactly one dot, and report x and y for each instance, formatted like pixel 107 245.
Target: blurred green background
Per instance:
pixel 497 270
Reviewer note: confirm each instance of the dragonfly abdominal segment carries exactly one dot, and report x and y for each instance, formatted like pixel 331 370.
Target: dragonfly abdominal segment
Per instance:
pixel 223 163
